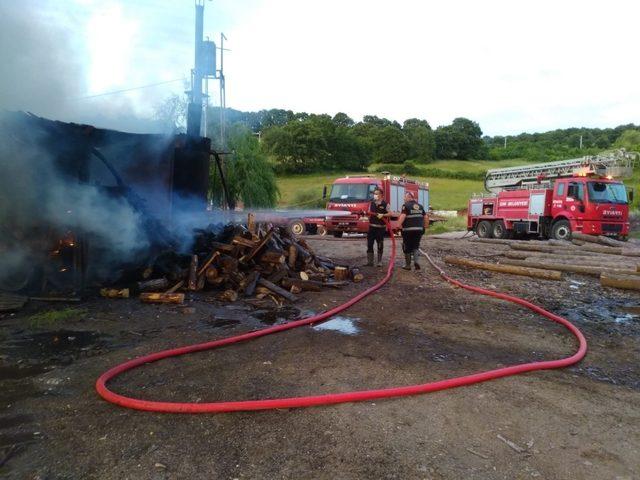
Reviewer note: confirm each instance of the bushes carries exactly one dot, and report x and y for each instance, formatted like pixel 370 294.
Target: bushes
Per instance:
pixel 311 198
pixel 410 168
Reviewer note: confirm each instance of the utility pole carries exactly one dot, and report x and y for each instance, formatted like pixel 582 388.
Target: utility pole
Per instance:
pixel 203 70
pixel 580 142
pixel 505 141
pixel 223 93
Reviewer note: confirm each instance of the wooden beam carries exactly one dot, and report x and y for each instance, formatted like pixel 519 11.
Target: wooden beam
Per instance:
pixel 514 270
pixel 278 290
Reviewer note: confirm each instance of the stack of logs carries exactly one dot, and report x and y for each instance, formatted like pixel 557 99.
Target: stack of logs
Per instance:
pixel 256 260
pixel 616 263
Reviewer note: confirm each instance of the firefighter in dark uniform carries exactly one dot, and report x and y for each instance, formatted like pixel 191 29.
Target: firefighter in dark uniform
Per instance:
pixel 412 221
pixel 377 212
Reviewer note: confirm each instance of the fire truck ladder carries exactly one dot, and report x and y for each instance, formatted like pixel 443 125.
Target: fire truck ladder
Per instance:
pixel 618 164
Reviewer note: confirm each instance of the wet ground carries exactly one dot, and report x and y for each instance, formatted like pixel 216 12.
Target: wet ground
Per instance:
pixel 579 422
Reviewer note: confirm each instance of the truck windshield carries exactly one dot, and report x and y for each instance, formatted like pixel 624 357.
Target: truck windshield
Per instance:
pixel 601 192
pixel 350 192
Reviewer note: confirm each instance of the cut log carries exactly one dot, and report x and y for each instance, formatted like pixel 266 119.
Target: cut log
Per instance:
pixel 243 242
pixel 341 273
pixel 512 269
pixel 162 297
pixel 562 267
pixel 562 244
pixel 228 264
pixel 153 285
pixel 211 274
pixel 228 296
pixel 601 260
pixel 278 275
pixel 272 257
pixel 206 264
pixel 626 282
pixel 498 241
pixel 335 284
pixel 538 247
pixel 193 273
pixel 308 286
pixel 294 289
pixel 251 223
pixel 251 281
pixel 278 290
pixel 257 248
pixel 601 249
pixel 114 293
pixel 611 242
pixel 304 276
pixel 584 237
pixel 293 255
pixel 175 287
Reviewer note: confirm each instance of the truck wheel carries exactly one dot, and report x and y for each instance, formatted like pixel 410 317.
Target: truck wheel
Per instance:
pixel 337 234
pixel 483 229
pixel 499 230
pixel 561 230
pixel 312 228
pixel 297 227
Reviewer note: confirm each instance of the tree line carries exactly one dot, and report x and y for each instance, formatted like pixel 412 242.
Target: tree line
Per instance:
pixel 273 141
pixel 302 142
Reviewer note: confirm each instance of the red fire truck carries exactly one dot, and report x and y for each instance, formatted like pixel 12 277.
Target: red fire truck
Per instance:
pixel 354 193
pixel 553 199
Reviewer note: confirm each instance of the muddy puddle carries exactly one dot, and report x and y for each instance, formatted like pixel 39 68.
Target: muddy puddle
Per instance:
pixel 618 316
pixel 24 356
pixel 227 318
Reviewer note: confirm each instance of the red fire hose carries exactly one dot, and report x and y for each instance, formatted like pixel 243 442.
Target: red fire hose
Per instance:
pixel 245 405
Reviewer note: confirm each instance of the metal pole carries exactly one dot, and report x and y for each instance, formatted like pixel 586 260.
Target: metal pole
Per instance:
pixel 223 99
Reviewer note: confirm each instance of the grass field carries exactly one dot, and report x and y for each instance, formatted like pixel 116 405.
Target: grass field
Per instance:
pixel 446 193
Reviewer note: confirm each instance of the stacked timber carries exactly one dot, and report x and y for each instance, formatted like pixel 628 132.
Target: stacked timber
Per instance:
pixel 245 261
pixel 615 263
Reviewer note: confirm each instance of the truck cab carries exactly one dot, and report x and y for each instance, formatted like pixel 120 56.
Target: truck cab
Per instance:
pixel 353 193
pixel 591 205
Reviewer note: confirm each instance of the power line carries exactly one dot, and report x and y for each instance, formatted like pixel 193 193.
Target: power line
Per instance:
pixel 115 92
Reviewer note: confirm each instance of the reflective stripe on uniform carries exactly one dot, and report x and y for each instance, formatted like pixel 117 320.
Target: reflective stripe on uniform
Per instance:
pixel 377 225
pixel 406 229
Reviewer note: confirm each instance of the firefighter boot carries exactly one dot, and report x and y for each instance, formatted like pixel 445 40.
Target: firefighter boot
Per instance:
pixel 407 261
pixel 379 259
pixel 416 255
pixel 369 259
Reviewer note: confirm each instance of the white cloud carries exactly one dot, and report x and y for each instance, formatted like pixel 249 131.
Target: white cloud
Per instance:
pixel 510 65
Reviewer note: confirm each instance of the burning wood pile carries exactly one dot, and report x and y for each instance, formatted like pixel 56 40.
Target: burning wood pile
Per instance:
pixel 262 261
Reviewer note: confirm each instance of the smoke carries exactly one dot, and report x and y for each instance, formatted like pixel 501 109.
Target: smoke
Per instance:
pixel 45 64
pixel 42 201
pixel 40 69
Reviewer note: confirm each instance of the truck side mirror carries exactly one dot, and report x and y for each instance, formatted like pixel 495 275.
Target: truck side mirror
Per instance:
pixel 324 192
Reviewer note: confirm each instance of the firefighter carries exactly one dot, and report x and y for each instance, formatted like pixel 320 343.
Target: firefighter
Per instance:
pixel 377 212
pixel 412 221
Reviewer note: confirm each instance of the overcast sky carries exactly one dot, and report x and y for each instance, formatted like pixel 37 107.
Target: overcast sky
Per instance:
pixel 512 66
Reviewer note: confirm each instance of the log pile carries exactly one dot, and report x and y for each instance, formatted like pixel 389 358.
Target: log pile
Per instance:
pixel 615 263
pixel 237 261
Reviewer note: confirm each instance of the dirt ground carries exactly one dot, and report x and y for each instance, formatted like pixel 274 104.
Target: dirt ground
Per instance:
pixel 579 422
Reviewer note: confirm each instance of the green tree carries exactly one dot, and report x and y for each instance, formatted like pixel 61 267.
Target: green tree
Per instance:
pixel 390 145
pixel 630 140
pixel 249 176
pixel 462 139
pixel 421 139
